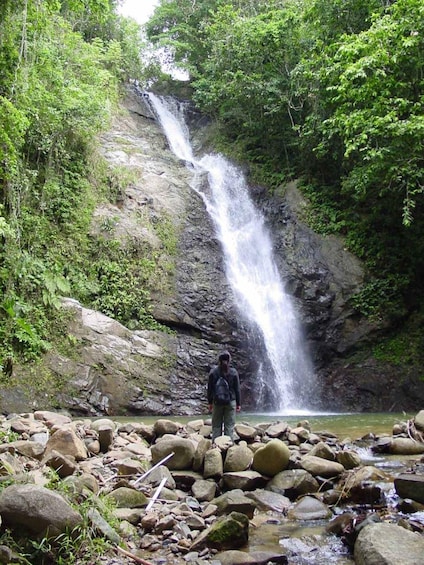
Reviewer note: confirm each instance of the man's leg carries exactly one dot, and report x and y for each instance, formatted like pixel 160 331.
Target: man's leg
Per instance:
pixel 230 419
pixel 217 417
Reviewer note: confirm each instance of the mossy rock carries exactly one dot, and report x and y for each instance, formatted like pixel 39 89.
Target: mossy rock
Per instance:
pixel 125 497
pixel 229 532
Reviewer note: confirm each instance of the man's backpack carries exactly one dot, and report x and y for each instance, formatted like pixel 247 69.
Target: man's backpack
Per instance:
pixel 222 391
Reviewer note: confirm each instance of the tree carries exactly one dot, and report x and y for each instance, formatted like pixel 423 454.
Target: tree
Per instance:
pixel 375 82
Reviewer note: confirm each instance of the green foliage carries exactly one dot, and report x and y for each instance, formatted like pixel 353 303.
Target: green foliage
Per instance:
pixel 375 82
pixel 405 348
pixel 381 297
pixel 61 65
pixel 331 90
pixel 121 278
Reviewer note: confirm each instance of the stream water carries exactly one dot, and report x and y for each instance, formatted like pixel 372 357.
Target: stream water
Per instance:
pixel 250 267
pixel 306 543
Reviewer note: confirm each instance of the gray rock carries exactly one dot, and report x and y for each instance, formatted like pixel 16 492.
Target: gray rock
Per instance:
pixel 406 446
pixel 323 450
pixel 271 458
pixel 245 432
pixel 267 500
pixel 183 450
pixel 125 497
pixel 155 477
pixel 388 544
pixel 293 483
pixel 38 509
pixel 321 467
pixel 30 448
pixel 67 442
pixel 309 508
pixel 213 465
pixel 62 464
pixel 409 485
pixel 163 426
pixel 419 420
pixel 102 526
pixel 349 459
pixel 204 490
pixel 243 480
pixel 228 532
pixel 234 501
pixel 199 456
pixel 238 458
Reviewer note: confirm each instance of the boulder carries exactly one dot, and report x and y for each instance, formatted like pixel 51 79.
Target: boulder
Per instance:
pixel 349 459
pixel 238 458
pixel 245 432
pixel 321 467
pixel 204 490
pixel 272 458
pixel 419 421
pixel 125 497
pixel 67 442
pixel 37 509
pixel 388 544
pixel 409 485
pixel 406 446
pixel 199 456
pixel 213 466
pixel 323 450
pixel 277 430
pixel 267 500
pixel 182 448
pixel 229 532
pixel 234 501
pixel 155 477
pixel 62 464
pixel 34 449
pixel 293 483
pixel 244 480
pixel 163 426
pixel 309 508
pixel 105 429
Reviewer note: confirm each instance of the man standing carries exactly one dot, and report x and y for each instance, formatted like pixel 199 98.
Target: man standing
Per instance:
pixel 223 396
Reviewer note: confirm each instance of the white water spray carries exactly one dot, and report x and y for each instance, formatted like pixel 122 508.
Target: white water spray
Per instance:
pixel 250 267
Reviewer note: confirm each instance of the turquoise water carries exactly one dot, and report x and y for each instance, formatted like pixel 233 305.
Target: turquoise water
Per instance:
pixel 351 425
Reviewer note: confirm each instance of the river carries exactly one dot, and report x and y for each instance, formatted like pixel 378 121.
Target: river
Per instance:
pixel 352 425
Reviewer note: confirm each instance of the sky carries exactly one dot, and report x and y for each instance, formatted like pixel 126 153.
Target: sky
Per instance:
pixel 140 10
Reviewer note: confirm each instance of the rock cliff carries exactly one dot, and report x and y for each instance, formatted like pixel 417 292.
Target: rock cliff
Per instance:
pixel 113 370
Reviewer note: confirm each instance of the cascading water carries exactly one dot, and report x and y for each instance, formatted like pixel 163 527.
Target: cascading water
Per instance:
pixel 250 267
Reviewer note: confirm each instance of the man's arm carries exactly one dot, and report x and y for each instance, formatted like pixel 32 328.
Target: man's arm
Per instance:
pixel 237 390
pixel 210 388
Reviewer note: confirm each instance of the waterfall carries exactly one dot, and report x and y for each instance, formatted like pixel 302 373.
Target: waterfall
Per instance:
pixel 250 268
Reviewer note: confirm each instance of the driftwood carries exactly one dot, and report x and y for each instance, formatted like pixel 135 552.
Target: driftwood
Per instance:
pixel 136 558
pixel 157 493
pixel 144 475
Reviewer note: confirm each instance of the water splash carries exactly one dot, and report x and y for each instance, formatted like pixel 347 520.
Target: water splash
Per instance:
pixel 250 267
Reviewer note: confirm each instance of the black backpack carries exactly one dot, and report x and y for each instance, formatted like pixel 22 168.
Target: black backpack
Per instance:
pixel 222 391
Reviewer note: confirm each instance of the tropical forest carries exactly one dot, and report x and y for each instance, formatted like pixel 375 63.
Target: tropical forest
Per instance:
pixel 115 298
pixel 326 91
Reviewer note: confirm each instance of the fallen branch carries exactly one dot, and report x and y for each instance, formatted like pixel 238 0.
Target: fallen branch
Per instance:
pixel 154 497
pixel 132 556
pixel 144 475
